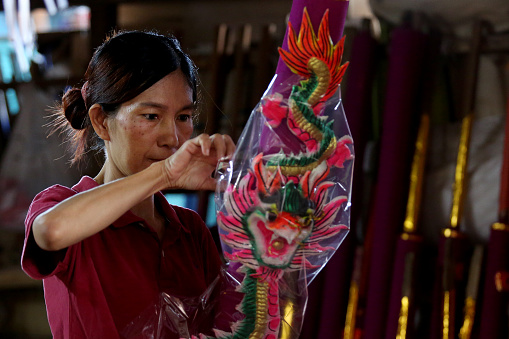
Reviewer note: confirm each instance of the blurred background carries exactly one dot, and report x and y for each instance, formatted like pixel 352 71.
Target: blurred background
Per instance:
pixel 426 96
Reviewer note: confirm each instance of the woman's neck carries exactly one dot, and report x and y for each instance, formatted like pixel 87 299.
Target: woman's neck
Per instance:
pixel 107 174
pixel 99 178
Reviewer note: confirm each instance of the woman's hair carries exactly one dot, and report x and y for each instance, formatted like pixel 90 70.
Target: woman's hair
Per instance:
pixel 124 66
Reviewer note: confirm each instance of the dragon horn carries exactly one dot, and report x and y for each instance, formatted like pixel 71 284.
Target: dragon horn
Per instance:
pixel 267 184
pixel 258 170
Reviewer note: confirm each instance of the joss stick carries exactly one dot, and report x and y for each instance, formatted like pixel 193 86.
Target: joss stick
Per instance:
pixel 399 115
pixel 409 243
pixel 402 305
pixel 357 101
pixel 495 300
pixel 471 293
pixel 453 242
pixel 503 208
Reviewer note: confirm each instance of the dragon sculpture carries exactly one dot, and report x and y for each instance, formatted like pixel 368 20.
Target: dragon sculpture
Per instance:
pixel 278 213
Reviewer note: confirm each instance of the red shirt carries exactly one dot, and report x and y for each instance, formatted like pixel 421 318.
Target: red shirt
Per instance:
pixel 93 289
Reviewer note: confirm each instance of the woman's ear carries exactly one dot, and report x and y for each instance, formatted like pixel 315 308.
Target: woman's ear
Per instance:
pixel 99 121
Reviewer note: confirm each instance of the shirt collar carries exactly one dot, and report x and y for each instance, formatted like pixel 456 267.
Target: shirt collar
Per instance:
pixel 87 183
pixel 170 213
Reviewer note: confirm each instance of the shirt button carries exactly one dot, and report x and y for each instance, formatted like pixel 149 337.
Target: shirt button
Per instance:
pixel 162 253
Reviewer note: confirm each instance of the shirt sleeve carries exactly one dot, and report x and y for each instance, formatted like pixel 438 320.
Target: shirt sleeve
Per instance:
pixel 36 262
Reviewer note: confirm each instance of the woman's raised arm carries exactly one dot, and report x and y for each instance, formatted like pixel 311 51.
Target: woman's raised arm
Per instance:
pixel 87 213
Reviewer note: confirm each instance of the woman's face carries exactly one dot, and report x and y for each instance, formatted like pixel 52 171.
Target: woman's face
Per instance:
pixel 150 127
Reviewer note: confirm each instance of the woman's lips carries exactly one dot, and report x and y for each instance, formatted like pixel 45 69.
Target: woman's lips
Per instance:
pixel 157 159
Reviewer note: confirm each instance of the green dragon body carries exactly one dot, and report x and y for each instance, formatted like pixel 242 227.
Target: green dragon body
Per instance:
pixel 276 215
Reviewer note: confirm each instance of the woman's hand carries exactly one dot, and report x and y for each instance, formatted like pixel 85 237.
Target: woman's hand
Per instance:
pixel 192 166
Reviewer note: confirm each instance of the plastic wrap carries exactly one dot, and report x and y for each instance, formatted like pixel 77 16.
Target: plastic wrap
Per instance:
pixel 239 180
pixel 268 269
pixel 283 200
pixel 178 317
pixel 283 204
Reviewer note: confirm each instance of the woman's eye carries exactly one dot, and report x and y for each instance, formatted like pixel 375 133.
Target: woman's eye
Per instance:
pixel 150 116
pixel 184 117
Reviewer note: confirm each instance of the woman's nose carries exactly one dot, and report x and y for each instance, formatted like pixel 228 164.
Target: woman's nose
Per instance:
pixel 168 136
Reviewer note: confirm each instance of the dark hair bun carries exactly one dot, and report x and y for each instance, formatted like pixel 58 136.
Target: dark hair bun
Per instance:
pixel 74 109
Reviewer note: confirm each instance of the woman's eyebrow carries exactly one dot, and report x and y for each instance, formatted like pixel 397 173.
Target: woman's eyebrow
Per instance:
pixel 151 104
pixel 187 107
pixel 190 106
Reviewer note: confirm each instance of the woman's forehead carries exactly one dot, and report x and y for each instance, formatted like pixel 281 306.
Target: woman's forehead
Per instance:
pixel 172 91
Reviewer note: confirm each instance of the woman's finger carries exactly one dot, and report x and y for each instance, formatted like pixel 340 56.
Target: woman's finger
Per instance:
pixel 205 143
pixel 218 143
pixel 230 146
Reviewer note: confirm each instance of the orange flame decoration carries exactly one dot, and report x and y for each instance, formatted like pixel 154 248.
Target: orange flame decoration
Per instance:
pixel 307 45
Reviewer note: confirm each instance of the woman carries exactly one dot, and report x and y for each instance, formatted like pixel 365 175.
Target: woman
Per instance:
pixel 108 246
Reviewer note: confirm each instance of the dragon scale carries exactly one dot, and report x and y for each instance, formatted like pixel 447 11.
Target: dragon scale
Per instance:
pixel 277 214
pixel 301 100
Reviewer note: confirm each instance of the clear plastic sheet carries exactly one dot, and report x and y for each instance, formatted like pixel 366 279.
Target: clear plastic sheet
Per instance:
pixel 291 256
pixel 223 311
pixel 177 317
pixel 259 137
pixel 283 203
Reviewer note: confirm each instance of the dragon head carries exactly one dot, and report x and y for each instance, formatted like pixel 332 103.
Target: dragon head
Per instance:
pixel 279 225
pixel 274 222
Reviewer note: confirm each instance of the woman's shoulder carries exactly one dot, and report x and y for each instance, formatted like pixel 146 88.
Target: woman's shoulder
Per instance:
pixel 46 199
pixel 189 219
pixel 60 191
pixel 54 192
pixel 57 193
pixel 187 216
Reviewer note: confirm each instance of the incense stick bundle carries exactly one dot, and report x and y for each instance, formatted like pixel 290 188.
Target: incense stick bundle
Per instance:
pixel 494 320
pixel 404 76
pixel 338 272
pixel 401 305
pixel 453 245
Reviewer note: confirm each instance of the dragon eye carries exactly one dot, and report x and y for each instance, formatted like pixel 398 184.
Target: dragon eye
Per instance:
pixel 307 221
pixel 271 216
